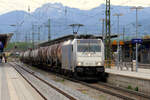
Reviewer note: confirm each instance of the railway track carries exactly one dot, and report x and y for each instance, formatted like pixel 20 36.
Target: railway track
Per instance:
pixel 122 93
pixel 21 70
pixel 140 95
pixel 117 91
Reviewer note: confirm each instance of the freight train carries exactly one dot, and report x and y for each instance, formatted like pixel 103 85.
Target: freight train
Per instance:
pixel 80 56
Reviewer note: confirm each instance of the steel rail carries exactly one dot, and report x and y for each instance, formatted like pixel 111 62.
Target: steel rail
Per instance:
pixel 31 73
pixel 125 90
pixel 29 82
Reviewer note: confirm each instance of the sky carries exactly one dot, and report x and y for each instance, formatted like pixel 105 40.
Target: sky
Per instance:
pixel 10 5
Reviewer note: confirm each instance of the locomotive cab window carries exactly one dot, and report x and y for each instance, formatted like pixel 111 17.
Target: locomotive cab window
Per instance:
pixel 88 46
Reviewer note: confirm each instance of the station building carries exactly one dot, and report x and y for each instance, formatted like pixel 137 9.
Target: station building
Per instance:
pixel 128 51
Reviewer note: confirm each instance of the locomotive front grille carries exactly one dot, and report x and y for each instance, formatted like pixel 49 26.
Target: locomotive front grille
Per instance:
pixel 89 63
pixel 90 70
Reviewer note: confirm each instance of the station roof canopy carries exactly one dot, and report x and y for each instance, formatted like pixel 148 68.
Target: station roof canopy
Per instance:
pixel 144 41
pixel 5 38
pixel 69 37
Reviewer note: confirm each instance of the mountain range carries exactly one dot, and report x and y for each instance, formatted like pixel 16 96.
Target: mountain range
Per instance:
pixel 23 23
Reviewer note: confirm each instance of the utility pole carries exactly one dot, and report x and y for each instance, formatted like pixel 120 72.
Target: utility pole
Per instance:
pixel 136 9
pixel 103 27
pixel 124 42
pixel 123 33
pixel 29 37
pixel 33 36
pixel 118 44
pixel 38 33
pixel 108 35
pixel 66 11
pixel 15 35
pixel 26 38
pixel 49 34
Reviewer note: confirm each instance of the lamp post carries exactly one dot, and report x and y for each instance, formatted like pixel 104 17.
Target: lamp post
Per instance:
pixel 15 36
pixel 118 46
pixel 136 9
pixel 14 25
pixel 103 27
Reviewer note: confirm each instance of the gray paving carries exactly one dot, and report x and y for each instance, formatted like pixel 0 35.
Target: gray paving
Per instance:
pixel 14 87
pixel 141 74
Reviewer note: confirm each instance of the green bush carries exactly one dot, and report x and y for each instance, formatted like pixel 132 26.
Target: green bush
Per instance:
pixel 136 89
pixel 130 87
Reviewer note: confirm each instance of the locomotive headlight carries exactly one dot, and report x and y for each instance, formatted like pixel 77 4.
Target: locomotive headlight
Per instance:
pixel 80 63
pixel 98 63
pixel 89 54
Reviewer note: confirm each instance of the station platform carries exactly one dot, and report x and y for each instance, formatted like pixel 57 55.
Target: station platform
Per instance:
pixel 139 81
pixel 14 87
pixel 141 74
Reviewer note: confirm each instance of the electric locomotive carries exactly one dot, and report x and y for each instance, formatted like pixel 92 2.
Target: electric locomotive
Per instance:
pixel 81 56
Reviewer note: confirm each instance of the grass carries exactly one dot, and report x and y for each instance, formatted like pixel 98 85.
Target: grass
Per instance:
pixel 129 87
pixel 135 89
pixel 102 97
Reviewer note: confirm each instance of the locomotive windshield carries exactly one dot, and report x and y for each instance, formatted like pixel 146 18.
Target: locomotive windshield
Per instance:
pixel 89 46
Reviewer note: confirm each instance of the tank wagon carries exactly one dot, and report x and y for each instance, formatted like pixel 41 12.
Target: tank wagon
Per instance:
pixel 80 56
